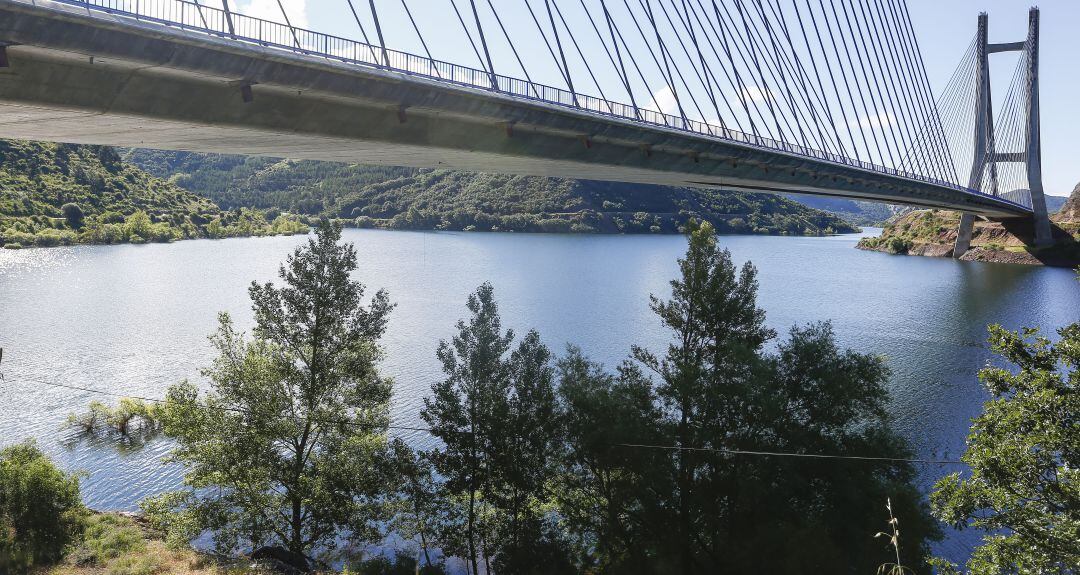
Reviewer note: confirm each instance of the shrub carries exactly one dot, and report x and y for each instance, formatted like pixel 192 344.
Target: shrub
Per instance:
pixel 74 215
pixel 899 245
pixel 40 509
pixel 18 237
pixel 51 237
pixel 15 246
pixel 138 224
pixel 128 415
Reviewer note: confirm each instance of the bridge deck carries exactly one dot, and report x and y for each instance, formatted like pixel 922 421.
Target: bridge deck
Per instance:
pixel 87 76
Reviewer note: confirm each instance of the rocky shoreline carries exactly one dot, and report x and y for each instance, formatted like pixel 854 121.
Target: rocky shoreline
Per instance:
pixel 932 233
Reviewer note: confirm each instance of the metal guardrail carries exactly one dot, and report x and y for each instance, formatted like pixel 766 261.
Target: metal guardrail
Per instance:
pixel 188 15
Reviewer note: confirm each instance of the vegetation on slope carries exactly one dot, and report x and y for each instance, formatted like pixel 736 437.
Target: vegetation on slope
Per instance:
pixel 933 233
pixel 62 194
pixel 857 212
pixel 406 198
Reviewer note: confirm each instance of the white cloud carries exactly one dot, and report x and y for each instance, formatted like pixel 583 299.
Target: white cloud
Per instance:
pixel 757 94
pixel 876 121
pixel 664 101
pixel 269 10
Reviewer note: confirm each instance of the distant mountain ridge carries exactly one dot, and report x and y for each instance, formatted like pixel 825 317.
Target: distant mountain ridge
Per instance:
pixel 407 198
pixel 866 213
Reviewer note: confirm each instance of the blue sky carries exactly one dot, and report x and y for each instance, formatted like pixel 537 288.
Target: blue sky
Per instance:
pixel 944 29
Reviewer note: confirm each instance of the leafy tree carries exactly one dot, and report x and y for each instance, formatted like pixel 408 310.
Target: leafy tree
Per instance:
pixel 1024 451
pixel 601 487
pixel 497 416
pixel 705 389
pixel 40 509
pixel 526 458
pixel 651 462
pixel 290 446
pixel 465 413
pixel 73 214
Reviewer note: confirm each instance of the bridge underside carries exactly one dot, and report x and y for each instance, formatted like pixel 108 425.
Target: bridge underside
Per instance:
pixel 87 78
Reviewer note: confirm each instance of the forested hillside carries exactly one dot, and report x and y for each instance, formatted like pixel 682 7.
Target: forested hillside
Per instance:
pixel 858 212
pixel 52 194
pixel 405 198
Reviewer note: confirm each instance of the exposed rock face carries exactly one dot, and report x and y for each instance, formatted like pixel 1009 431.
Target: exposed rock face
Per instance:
pixel 933 232
pixel 1069 214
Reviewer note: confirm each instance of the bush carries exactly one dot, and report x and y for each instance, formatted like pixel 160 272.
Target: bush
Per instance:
pixel 40 509
pixel 138 224
pixel 15 246
pixel 899 245
pixel 18 237
pixel 50 237
pixel 74 215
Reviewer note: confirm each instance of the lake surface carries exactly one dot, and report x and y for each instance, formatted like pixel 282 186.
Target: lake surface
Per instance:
pixel 135 319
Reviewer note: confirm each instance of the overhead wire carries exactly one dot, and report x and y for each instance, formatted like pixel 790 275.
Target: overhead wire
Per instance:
pixel 428 430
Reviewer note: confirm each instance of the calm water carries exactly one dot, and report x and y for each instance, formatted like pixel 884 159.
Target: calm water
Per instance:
pixel 134 319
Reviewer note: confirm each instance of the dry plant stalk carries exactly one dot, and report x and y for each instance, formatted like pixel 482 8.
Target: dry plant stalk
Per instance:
pixel 894 541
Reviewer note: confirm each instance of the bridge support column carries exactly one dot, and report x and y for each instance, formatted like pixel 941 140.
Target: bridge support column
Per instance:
pixel 984 130
pixel 963 234
pixel 1043 234
pixel 986 155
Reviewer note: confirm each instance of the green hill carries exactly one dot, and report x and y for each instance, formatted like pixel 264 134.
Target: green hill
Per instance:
pixel 405 198
pixel 858 212
pixel 52 194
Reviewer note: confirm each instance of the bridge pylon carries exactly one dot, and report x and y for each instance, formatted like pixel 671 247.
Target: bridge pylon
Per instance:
pixel 986 156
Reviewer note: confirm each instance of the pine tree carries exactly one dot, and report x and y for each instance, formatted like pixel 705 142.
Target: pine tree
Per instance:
pixel 289 447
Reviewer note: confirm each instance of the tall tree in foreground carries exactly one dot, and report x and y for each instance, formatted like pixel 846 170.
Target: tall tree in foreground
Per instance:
pixel 466 412
pixel 653 460
pixel 497 416
pixel 1024 453
pixel 705 391
pixel 289 448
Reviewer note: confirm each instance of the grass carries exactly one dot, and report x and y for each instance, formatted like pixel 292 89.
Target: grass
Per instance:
pixel 115 544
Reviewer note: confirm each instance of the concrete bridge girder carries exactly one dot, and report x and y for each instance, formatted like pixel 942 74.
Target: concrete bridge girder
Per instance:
pixel 108 80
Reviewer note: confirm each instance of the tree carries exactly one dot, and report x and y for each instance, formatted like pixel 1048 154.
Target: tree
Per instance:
pixel 602 482
pixel 73 214
pixel 1024 451
pixel 138 226
pixel 290 446
pixel 40 509
pixel 654 463
pixel 706 377
pixel 527 452
pixel 465 410
pixel 497 416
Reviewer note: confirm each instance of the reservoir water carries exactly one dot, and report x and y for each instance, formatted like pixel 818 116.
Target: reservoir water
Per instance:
pixel 134 320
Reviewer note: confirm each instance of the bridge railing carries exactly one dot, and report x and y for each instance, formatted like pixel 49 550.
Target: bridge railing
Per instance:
pixel 199 17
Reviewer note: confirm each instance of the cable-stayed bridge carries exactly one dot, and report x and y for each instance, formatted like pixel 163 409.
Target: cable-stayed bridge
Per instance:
pixel 811 96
